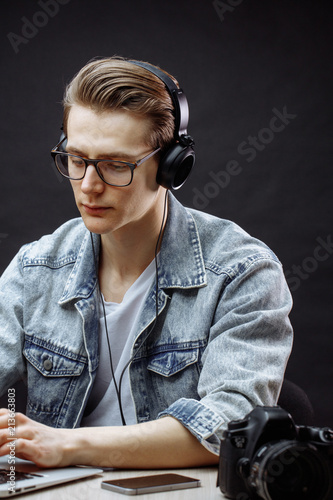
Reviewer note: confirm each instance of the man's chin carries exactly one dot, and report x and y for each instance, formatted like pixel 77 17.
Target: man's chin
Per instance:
pixel 96 226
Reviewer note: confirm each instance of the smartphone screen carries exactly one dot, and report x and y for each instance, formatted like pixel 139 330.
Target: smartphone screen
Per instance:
pixel 150 484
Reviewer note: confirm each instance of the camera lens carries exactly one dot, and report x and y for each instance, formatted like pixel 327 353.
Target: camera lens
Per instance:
pixel 289 470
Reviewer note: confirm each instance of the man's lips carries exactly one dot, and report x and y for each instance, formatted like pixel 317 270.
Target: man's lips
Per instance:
pixel 94 209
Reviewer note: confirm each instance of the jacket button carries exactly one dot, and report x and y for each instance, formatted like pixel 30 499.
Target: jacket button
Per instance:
pixel 48 365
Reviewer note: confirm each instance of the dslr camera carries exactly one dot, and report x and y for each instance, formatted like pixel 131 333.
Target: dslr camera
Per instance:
pixel 266 456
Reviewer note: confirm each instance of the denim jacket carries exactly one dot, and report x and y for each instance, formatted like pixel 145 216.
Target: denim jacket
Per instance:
pixel 219 347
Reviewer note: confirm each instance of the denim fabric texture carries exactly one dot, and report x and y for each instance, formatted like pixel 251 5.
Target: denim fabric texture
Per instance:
pixel 220 345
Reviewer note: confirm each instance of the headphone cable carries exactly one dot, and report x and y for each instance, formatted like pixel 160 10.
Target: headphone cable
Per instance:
pixel 118 387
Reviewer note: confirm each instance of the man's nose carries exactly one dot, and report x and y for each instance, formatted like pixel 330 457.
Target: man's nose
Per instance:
pixel 91 180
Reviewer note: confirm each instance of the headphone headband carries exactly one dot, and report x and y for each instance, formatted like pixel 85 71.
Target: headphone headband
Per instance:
pixel 177 162
pixel 177 95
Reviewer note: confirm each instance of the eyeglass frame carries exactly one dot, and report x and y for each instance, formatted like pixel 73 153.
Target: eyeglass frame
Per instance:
pixel 94 162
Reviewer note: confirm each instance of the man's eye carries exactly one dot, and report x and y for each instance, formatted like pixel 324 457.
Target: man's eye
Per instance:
pixel 113 165
pixel 76 162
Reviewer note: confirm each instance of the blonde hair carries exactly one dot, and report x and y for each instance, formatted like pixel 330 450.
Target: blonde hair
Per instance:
pixel 114 83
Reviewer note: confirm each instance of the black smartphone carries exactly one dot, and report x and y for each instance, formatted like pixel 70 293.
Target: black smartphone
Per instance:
pixel 150 484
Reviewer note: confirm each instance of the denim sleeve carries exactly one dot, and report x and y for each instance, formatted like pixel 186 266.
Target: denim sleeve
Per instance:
pixel 11 321
pixel 249 345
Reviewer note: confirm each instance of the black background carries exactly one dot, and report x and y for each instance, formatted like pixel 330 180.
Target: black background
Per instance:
pixel 237 63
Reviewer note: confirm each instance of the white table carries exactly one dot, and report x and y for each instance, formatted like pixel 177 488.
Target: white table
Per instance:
pixel 90 489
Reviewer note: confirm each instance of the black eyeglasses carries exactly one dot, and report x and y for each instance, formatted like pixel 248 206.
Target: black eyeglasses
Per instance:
pixel 112 172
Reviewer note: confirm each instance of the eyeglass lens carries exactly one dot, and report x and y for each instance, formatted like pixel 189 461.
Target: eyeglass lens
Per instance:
pixel 113 172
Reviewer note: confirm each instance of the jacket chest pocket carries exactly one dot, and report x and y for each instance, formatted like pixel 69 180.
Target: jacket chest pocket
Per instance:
pixel 173 374
pixel 53 374
pixel 170 363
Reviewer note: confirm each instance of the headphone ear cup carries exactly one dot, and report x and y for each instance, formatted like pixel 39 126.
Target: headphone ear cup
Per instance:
pixel 175 166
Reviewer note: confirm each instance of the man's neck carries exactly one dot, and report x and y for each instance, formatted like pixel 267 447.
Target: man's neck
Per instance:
pixel 127 253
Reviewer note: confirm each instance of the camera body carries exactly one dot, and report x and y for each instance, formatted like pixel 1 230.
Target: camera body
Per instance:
pixel 266 456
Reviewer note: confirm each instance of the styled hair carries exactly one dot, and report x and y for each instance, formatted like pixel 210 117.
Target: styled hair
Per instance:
pixel 116 84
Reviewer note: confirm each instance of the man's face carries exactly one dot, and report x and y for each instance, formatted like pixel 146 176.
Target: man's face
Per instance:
pixel 118 135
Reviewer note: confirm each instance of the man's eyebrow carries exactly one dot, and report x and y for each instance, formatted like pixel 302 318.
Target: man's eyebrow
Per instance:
pixel 114 154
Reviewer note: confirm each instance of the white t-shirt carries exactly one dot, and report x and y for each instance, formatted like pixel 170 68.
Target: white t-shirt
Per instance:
pixel 121 324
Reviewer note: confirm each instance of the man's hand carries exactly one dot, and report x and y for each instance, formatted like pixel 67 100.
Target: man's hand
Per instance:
pixel 46 446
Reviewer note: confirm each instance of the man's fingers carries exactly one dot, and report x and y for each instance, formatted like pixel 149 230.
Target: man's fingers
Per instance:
pixel 3 415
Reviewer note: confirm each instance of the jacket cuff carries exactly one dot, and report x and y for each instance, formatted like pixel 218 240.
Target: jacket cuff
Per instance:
pixel 200 420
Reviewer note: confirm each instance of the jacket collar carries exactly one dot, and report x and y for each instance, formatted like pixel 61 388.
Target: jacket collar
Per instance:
pixel 83 279
pixel 180 261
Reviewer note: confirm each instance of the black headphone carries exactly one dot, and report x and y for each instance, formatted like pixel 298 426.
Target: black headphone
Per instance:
pixel 177 161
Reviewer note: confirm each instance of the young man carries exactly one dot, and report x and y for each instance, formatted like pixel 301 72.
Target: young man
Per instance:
pixel 141 312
